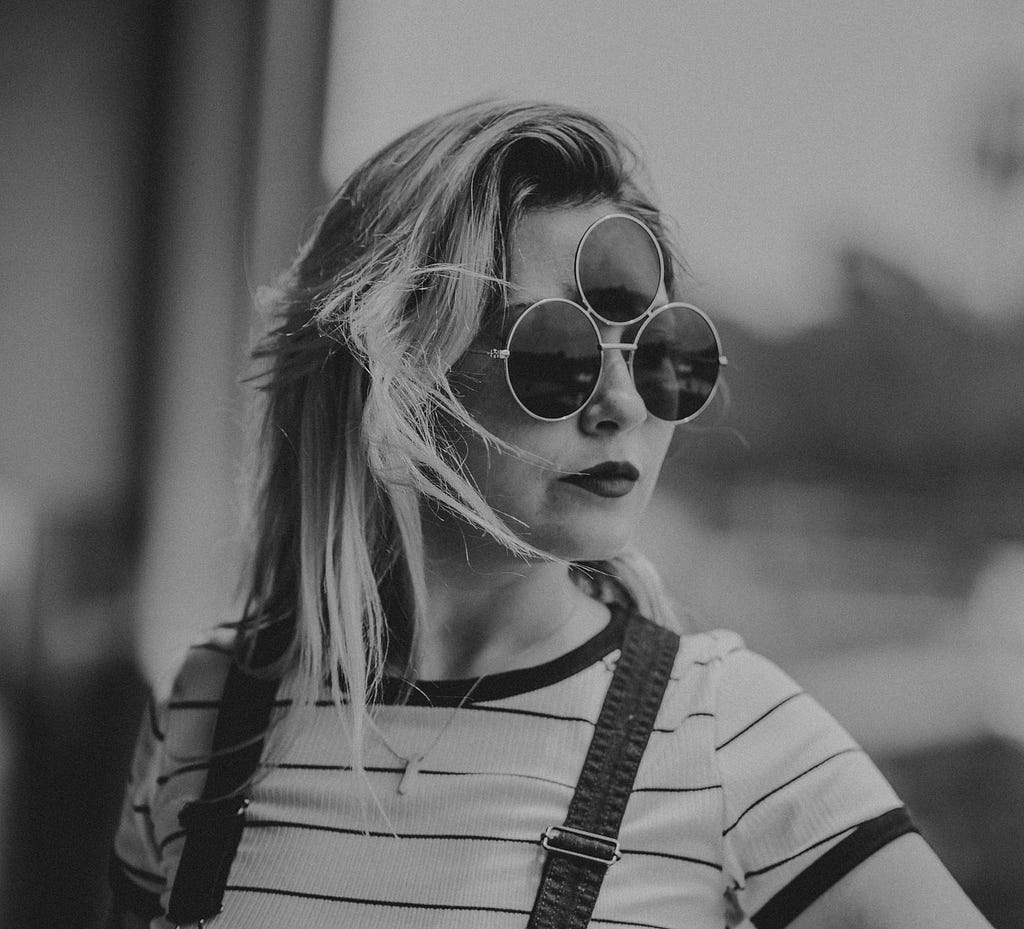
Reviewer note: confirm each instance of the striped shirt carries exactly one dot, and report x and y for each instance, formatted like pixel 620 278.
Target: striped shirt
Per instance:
pixel 749 797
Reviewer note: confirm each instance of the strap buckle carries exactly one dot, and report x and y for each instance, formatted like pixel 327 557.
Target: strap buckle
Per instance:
pixel 565 840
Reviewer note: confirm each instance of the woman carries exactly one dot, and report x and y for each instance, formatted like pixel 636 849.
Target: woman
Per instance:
pixel 476 368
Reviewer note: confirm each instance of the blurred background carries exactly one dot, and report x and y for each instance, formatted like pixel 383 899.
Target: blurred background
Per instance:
pixel 847 183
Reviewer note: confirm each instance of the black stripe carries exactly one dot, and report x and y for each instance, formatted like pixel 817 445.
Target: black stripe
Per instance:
pixel 674 730
pixel 296 766
pixel 117 860
pixel 450 837
pixel 392 904
pixel 171 837
pixel 519 680
pixel 193 704
pixel 447 836
pixel 214 647
pixel 813 767
pixel 143 808
pixel 714 865
pixel 534 713
pixel 129 896
pixel 625 922
pixel 803 851
pixel 453 837
pixel 675 790
pixel 704 662
pixel 184 769
pixel 763 716
pixel 153 724
pixel 835 864
pixel 215 704
pixel 187 705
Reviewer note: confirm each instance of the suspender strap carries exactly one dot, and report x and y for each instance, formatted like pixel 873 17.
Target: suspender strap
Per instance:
pixel 582 850
pixel 213 824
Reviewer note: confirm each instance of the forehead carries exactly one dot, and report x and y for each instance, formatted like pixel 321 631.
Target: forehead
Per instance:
pixel 542 248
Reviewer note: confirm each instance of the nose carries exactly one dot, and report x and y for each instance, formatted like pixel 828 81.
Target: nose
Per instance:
pixel 616 406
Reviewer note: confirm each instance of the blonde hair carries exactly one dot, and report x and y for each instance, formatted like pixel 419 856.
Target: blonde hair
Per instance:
pixel 355 406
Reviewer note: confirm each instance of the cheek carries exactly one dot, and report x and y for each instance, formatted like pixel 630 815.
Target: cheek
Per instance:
pixel 656 441
pixel 665 433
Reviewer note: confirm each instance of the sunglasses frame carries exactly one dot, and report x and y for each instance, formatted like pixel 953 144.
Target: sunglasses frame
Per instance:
pixel 503 354
pixel 657 250
pixel 590 314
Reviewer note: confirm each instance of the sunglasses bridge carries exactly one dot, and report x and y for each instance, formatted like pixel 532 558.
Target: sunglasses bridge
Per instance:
pixel 503 354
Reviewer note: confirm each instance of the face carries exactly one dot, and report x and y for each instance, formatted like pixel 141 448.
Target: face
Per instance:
pixel 539 490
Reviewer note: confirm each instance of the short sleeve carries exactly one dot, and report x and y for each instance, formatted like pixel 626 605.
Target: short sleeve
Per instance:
pixel 168 770
pixel 803 804
pixel 136 872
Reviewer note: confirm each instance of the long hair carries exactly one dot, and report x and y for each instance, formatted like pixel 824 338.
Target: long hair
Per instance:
pixel 355 407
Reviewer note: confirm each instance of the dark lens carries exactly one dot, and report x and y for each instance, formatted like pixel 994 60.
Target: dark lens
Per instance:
pixel 618 268
pixel 676 363
pixel 554 361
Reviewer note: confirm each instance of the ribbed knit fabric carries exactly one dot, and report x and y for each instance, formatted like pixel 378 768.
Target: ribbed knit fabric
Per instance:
pixel 745 784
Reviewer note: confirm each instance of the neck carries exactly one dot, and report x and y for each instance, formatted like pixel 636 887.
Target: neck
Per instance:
pixel 486 615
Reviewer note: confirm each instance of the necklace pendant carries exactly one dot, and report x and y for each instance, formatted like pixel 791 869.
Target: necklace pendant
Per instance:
pixel 412 768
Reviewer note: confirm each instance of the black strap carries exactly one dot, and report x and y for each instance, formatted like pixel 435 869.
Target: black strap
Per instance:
pixel 586 845
pixel 213 824
pixel 579 851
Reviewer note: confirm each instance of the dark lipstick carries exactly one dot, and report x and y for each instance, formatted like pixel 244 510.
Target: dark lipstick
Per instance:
pixel 608 479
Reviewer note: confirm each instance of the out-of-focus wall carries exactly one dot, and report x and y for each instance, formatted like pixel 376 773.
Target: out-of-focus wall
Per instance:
pixel 76 91
pixel 74 97
pixel 157 156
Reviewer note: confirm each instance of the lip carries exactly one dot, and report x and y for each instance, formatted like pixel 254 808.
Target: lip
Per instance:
pixel 607 479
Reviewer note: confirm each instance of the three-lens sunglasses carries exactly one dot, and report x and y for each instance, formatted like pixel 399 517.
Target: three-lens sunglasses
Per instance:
pixel 554 355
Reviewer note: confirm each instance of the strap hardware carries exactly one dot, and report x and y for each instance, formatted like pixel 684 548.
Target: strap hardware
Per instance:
pixel 564 840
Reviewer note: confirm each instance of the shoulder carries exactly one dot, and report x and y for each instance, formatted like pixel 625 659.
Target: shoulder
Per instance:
pixel 738 684
pixel 703 661
pixel 188 698
pixel 709 648
pixel 168 769
pixel 704 658
pixel 200 672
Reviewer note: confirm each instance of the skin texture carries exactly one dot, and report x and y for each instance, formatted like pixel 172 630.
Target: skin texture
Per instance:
pixel 487 609
pixel 555 516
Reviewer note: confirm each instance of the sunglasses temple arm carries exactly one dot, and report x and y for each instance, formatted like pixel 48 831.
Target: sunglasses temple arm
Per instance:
pixel 497 354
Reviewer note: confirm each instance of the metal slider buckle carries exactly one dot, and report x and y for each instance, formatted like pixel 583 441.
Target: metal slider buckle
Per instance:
pixel 550 840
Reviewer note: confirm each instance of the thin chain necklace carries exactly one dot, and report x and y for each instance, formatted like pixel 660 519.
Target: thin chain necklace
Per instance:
pixel 411 763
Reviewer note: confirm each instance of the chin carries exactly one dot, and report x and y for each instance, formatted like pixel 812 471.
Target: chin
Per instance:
pixel 583 546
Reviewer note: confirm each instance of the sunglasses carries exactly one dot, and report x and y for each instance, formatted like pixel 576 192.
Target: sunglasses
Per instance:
pixel 554 355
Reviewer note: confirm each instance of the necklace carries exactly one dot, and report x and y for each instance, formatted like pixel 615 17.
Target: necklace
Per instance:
pixel 411 763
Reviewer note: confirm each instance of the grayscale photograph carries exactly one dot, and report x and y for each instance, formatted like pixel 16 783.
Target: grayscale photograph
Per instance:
pixel 538 465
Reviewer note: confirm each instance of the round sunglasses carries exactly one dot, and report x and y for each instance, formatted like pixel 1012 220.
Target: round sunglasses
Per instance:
pixel 554 356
